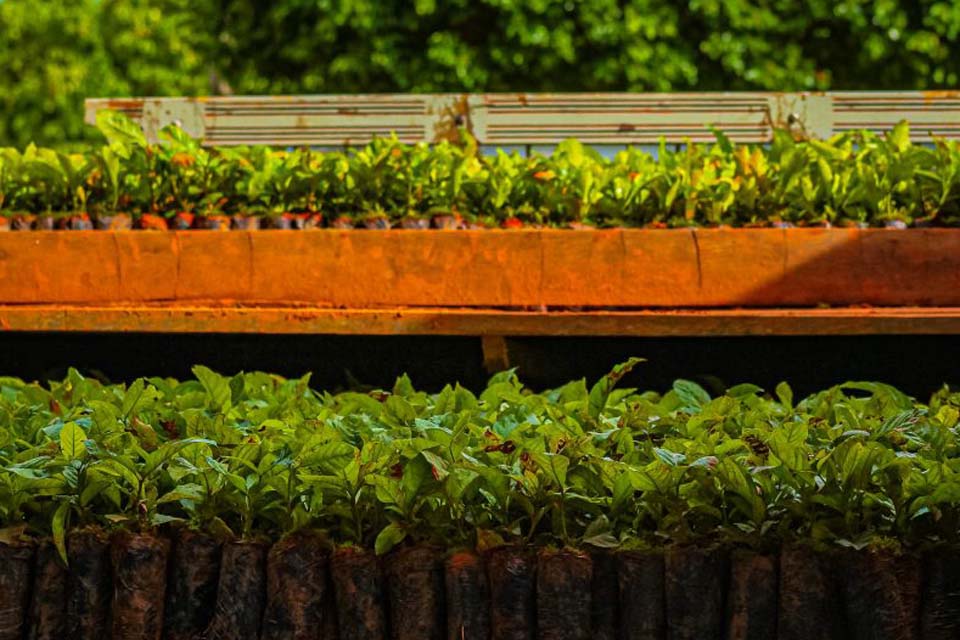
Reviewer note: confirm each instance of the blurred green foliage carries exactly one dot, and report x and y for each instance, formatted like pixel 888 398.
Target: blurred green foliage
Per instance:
pixel 53 53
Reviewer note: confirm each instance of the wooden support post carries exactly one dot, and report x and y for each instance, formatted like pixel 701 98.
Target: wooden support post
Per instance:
pixel 495 355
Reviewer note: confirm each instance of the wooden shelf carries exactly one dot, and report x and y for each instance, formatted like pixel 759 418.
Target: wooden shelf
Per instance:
pixel 629 282
pixel 605 269
pixel 477 322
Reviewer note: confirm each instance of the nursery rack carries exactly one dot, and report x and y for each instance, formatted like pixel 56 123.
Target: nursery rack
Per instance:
pixel 500 283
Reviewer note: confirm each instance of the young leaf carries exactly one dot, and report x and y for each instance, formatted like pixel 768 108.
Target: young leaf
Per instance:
pixel 785 395
pixel 600 392
pixel 72 438
pixel 216 386
pixel 389 537
pixel 120 129
pixel 691 394
pixel 59 529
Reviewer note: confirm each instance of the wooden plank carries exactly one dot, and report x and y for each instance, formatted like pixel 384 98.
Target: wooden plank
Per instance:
pixel 477 322
pixel 615 268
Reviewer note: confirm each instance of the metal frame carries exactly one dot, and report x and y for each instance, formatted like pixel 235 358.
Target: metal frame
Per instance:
pixel 507 119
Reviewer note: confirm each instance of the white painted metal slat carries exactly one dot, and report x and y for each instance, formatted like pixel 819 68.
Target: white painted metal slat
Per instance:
pixel 539 119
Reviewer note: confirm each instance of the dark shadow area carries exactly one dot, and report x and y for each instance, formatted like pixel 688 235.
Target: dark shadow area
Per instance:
pixel 334 360
pixel 916 364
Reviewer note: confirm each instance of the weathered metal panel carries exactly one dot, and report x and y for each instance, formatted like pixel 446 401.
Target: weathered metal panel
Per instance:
pixel 541 118
pixel 622 117
pixel 930 113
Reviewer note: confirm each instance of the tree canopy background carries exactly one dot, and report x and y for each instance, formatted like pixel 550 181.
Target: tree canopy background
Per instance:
pixel 54 53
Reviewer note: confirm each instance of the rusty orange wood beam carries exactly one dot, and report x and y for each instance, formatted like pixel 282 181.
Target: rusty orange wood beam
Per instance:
pixel 618 268
pixel 477 322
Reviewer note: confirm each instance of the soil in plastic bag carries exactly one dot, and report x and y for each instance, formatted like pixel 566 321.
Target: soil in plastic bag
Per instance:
pixel 467 597
pixel 357 586
pixel 512 574
pixel 810 602
pixel 752 596
pixel 696 579
pixel 241 592
pixel 296 588
pixel 940 618
pixel 16 566
pixel 415 591
pixel 564 584
pixel 191 585
pixel 643 608
pixel 605 596
pixel 881 593
pixel 329 628
pixel 89 585
pixel 139 586
pixel 48 611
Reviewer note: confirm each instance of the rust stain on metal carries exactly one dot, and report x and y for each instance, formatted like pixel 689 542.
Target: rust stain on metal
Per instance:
pixel 125 104
pixel 785 114
pixel 453 117
pixel 943 94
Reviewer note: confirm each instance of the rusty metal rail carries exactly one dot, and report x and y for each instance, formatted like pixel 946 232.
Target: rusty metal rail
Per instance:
pixel 508 119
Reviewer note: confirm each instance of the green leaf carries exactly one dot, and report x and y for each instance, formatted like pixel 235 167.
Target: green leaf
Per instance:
pixel 399 409
pixel 118 128
pixel 722 140
pixel 847 416
pixel 216 386
pixel 403 387
pixel 744 390
pixel 415 473
pixel 331 457
pixel 948 416
pixel 555 464
pixel 72 438
pixel 900 136
pixel 188 491
pixel 388 538
pixel 117 468
pixel 236 389
pixel 438 465
pixel 132 396
pixel 600 392
pixel 691 394
pixel 670 458
pixel 785 395
pixel 459 479
pixel 59 529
